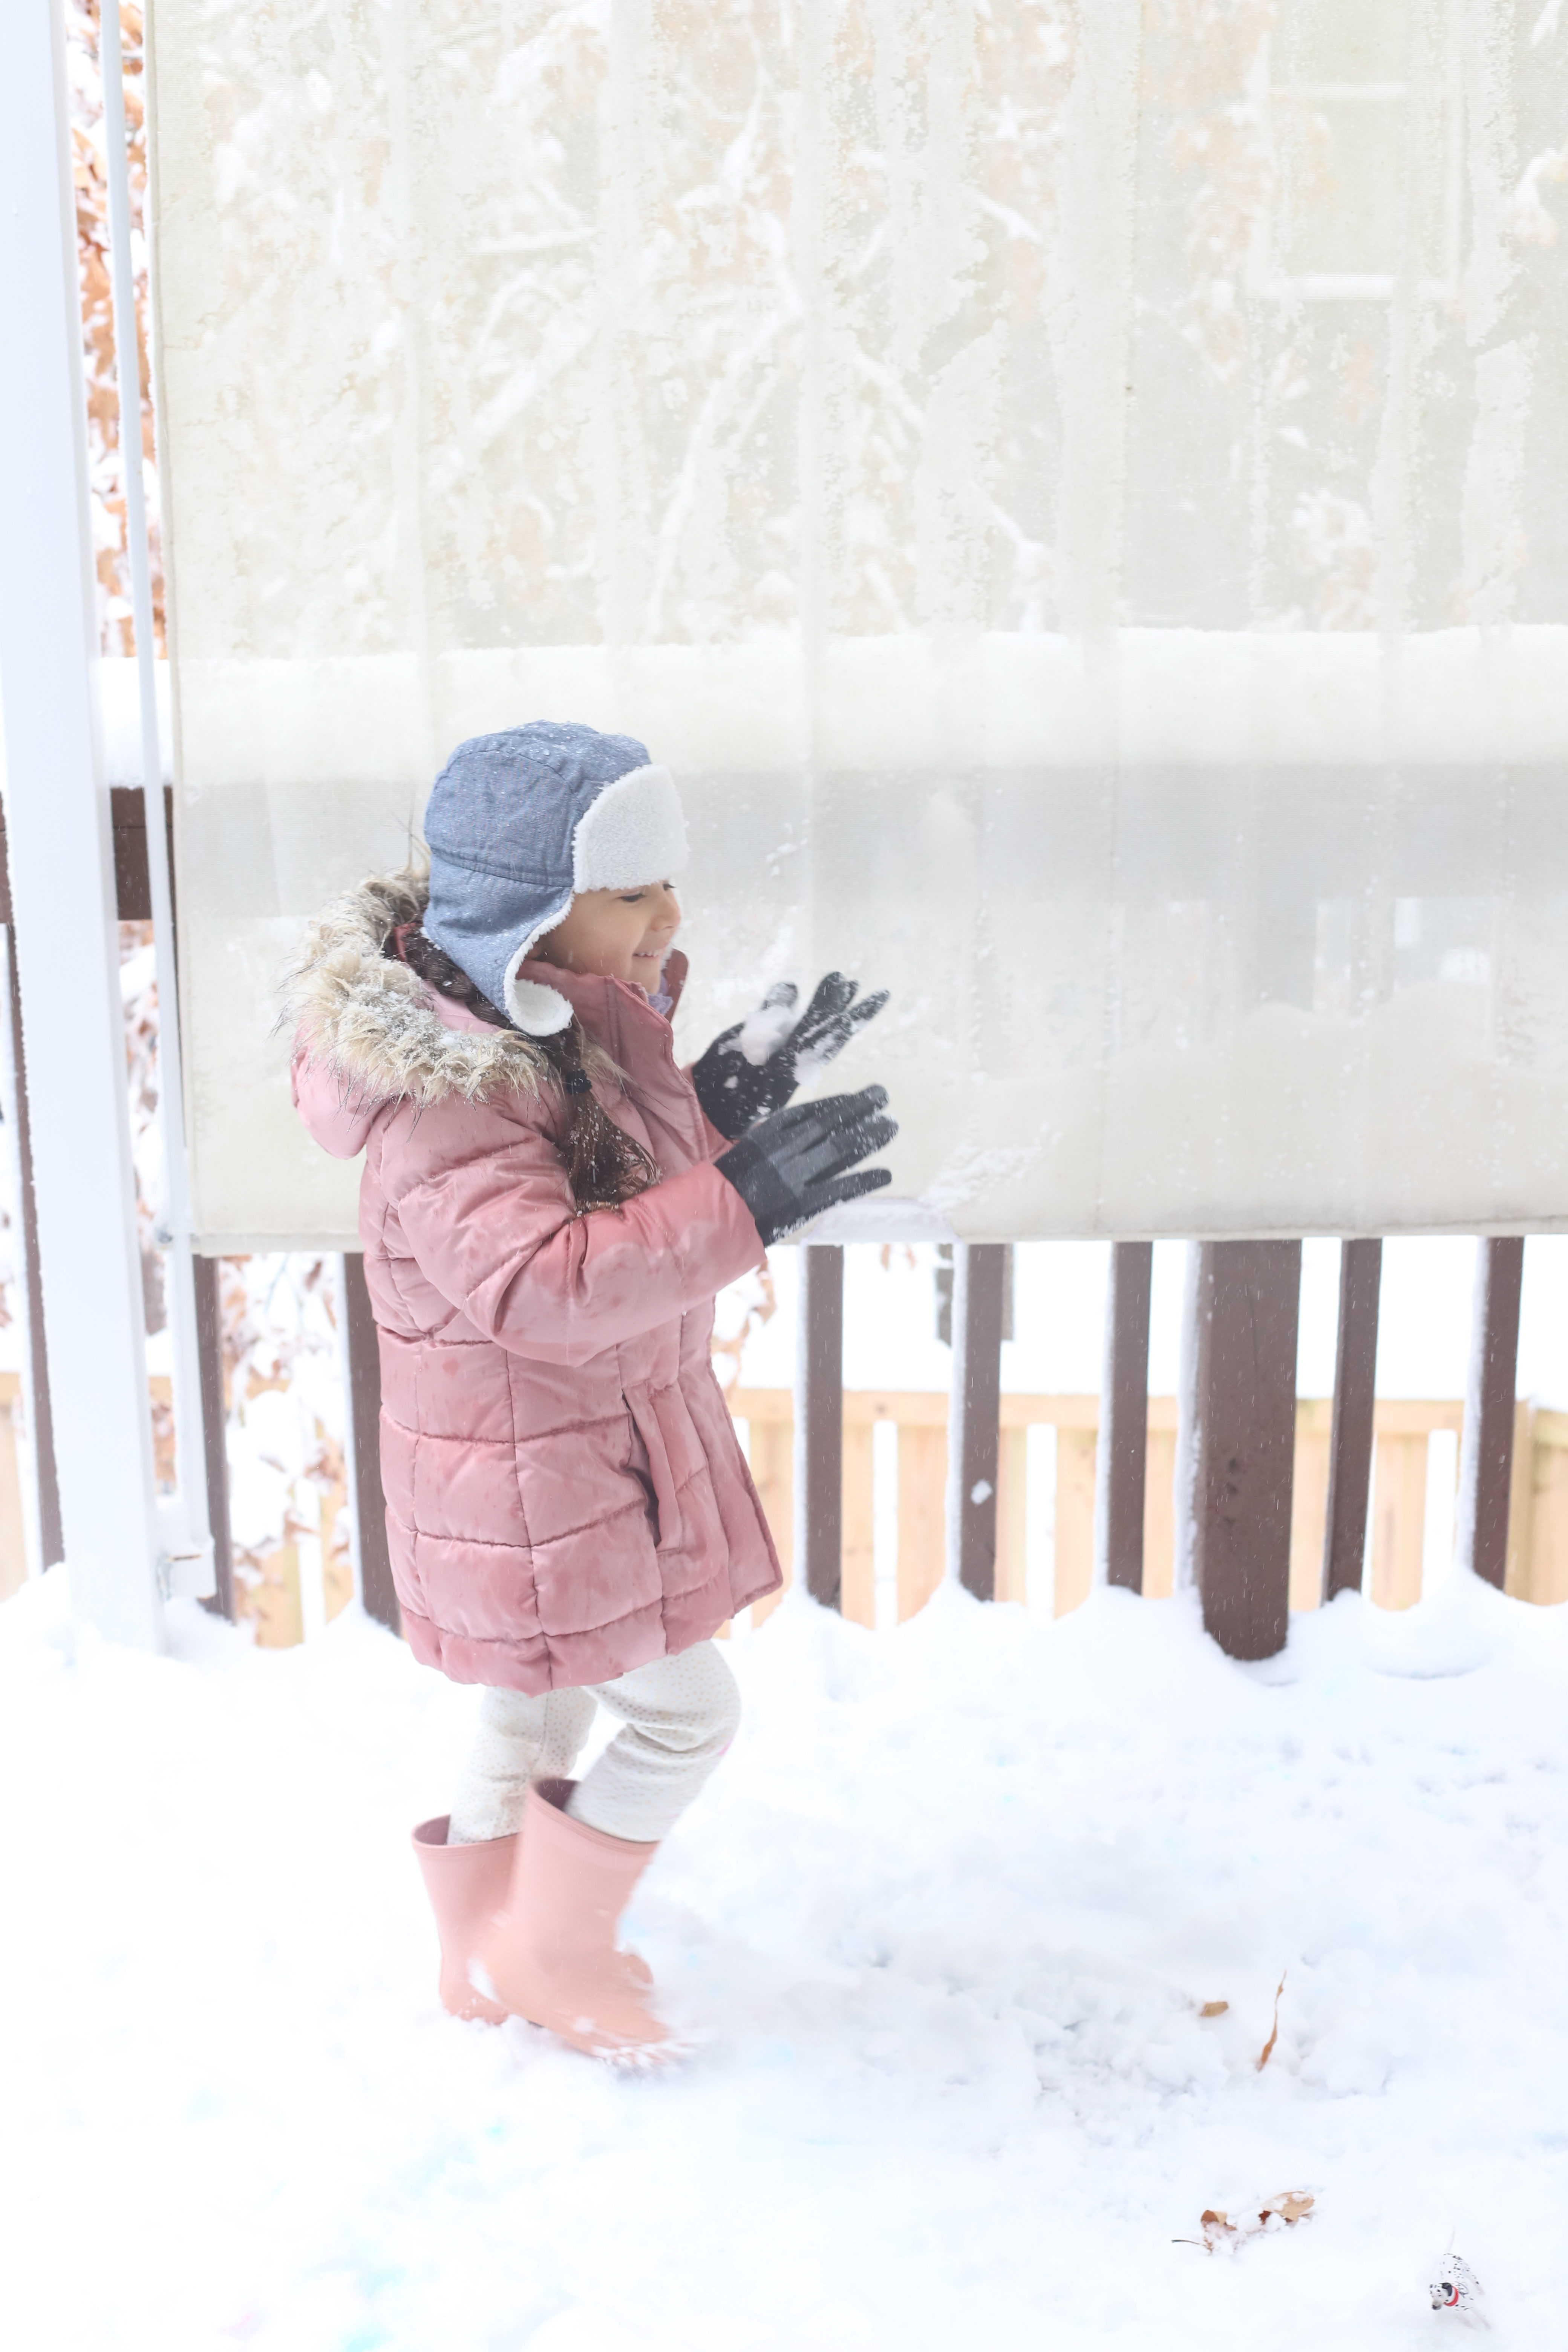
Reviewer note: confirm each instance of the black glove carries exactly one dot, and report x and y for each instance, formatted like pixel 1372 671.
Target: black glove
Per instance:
pixel 742 1077
pixel 792 1165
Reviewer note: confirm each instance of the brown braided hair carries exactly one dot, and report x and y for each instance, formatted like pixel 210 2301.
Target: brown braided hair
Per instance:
pixel 606 1167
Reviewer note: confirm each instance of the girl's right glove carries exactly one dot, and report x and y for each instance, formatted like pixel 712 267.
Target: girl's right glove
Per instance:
pixel 755 1067
pixel 790 1166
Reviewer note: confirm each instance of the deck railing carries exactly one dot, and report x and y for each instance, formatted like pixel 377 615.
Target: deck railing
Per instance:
pixel 1267 1470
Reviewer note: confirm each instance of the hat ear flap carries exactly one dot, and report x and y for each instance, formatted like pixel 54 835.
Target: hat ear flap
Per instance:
pixel 537 1010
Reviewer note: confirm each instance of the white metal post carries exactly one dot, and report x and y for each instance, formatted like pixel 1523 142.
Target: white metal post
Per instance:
pixel 185 1552
pixel 62 865
pixel 33 1405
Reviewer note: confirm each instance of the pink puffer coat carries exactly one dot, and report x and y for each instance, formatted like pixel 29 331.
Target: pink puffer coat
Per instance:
pixel 567 1498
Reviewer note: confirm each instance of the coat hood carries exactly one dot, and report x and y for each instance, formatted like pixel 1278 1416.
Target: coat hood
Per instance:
pixel 377 1030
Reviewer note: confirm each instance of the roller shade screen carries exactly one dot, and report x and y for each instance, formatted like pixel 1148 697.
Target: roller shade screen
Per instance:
pixel 1078 495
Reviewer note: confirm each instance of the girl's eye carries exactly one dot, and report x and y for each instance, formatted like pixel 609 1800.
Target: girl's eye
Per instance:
pixel 633 898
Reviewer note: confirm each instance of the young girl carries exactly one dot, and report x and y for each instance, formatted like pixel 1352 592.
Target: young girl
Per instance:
pixel 547 1209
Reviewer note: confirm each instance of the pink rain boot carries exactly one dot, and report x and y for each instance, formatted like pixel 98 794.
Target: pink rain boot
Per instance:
pixel 552 1953
pixel 468 1886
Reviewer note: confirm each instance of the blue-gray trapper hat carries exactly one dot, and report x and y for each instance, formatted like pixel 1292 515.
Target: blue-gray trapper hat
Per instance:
pixel 518 824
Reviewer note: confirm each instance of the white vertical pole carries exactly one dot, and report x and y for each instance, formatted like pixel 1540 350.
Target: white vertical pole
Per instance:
pixel 62 865
pixel 186 1546
pixel 11 1082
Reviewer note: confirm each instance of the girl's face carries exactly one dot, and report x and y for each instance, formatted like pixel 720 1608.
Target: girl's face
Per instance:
pixel 617 934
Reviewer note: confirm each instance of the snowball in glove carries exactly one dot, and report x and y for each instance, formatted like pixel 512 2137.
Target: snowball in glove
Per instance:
pixel 792 1165
pixel 754 1067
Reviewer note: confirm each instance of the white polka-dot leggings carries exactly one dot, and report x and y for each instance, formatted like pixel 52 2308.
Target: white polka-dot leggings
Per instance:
pixel 678 1715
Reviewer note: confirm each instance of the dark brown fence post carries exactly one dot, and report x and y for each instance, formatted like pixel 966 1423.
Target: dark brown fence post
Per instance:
pixel 215 1429
pixel 1122 1467
pixel 974 1412
pixel 128 823
pixel 378 1594
pixel 1248 1304
pixel 1485 1458
pixel 819 1425
pixel 1350 1442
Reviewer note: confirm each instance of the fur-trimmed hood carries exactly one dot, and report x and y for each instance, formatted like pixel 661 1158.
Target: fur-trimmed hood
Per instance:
pixel 374 1024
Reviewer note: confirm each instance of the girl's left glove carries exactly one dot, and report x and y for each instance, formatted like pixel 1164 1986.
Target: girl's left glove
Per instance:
pixel 756 1067
pixel 795 1163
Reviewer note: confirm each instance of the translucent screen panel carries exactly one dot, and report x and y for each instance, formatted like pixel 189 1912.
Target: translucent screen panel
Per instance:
pixel 1079 496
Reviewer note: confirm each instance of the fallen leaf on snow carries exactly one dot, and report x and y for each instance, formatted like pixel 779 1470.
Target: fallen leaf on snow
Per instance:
pixel 1267 2050
pixel 1292 2205
pixel 1228 2230
pixel 1213 2008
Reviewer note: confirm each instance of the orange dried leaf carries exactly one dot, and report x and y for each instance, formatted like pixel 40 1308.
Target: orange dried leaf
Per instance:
pixel 1292 2205
pixel 1268 2050
pixel 1213 2008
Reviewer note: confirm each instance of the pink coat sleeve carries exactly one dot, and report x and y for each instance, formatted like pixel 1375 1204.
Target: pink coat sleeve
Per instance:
pixel 485 1208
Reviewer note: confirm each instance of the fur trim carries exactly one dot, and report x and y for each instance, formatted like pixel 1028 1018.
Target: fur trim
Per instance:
pixel 634 834
pixel 370 1019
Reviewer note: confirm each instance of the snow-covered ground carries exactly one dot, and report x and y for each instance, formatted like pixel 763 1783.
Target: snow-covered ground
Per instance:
pixel 946 1921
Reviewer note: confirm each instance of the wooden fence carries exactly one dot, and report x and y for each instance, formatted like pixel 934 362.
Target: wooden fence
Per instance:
pixel 1402 1480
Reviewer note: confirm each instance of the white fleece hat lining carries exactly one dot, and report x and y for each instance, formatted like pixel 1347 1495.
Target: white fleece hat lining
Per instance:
pixel 633 835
